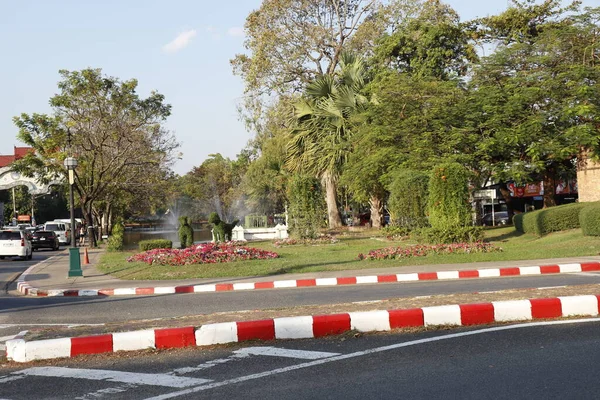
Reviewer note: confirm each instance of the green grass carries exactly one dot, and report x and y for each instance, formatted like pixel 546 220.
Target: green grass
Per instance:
pixel 343 256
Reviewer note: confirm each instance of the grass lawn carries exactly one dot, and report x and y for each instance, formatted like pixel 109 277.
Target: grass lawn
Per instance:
pixel 343 256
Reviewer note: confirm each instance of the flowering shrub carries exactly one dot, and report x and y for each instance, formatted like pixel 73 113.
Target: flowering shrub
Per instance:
pixel 209 253
pixel 323 239
pixel 423 250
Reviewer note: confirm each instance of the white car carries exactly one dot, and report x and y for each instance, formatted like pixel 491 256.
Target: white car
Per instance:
pixel 15 243
pixel 62 230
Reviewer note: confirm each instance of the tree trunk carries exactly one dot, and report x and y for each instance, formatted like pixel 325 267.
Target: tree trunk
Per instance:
pixel 333 214
pixel 549 188
pixel 376 211
pixel 89 217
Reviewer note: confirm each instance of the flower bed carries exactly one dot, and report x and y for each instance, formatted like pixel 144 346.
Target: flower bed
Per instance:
pixel 323 239
pixel 423 250
pixel 210 253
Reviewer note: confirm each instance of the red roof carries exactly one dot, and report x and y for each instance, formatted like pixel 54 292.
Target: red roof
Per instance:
pixel 6 160
pixel 20 152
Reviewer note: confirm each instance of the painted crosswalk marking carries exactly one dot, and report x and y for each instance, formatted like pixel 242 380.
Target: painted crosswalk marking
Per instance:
pixel 287 353
pixel 115 376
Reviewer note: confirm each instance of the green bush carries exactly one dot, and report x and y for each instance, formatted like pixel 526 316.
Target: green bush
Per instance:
pixel 186 233
pixel 307 207
pixel 395 231
pixel 117 236
pixel 448 201
pixel 589 219
pixel 408 199
pixel 146 245
pixel 553 219
pixel 518 222
pixel 461 234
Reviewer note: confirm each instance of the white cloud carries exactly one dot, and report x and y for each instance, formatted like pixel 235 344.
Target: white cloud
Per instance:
pixel 236 31
pixel 181 41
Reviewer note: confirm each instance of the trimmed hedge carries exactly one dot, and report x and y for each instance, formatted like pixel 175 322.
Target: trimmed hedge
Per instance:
pixel 146 245
pixel 589 219
pixel 553 219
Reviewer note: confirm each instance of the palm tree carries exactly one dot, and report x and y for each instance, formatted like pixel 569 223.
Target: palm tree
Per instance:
pixel 321 137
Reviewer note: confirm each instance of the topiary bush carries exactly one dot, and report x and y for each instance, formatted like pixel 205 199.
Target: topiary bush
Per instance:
pixel 553 219
pixel 518 222
pixel 145 245
pixel 307 207
pixel 186 233
pixel 117 236
pixel 589 219
pixel 408 199
pixel 222 231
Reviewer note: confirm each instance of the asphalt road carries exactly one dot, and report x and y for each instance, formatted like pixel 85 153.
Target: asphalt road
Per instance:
pixel 552 360
pixel 11 268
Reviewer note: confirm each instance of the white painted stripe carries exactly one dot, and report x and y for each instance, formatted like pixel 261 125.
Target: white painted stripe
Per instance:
pixel 243 286
pixel 442 315
pixel 407 277
pixel 366 321
pixel 124 291
pixel 134 378
pixel 44 349
pixel 88 292
pixel 56 292
pixel 579 305
pixel 205 288
pixel 284 284
pixel 294 327
pixel 512 310
pixel 395 346
pixel 135 340
pixel 208 334
pixel 530 270
pixel 366 279
pixel 448 275
pixel 488 273
pixel 4 379
pixel 5 338
pixel 326 281
pixel 15 350
pixel 286 353
pixel 566 268
pixel 164 290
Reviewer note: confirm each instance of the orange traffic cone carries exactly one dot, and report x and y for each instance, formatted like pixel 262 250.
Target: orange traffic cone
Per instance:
pixel 86 258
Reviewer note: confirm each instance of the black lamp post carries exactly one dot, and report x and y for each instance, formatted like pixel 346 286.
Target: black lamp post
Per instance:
pixel 74 258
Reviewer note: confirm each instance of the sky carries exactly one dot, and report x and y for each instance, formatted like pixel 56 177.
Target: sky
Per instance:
pixel 180 48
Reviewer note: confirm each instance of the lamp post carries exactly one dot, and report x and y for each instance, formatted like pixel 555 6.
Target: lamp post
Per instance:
pixel 74 259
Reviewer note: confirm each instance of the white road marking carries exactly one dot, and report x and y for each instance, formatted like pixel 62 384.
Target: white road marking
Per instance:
pixel 206 365
pixel 287 353
pixel 108 391
pixel 364 353
pixel 594 274
pixel 114 376
pixel 4 379
pixel 5 338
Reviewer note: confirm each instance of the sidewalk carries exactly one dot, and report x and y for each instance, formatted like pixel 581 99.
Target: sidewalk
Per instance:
pixel 49 277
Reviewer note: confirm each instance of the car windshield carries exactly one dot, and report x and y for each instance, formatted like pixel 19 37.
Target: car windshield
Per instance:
pixel 10 235
pixel 53 227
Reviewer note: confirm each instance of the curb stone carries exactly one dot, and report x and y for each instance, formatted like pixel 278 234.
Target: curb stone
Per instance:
pixel 303 327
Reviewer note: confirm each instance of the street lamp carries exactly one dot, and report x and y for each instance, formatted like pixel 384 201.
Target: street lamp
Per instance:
pixel 74 259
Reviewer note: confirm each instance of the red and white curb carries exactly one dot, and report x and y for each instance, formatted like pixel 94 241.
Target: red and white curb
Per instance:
pixel 24 288
pixel 306 327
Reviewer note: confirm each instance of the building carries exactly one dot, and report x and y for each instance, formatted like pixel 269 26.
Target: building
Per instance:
pixel 19 152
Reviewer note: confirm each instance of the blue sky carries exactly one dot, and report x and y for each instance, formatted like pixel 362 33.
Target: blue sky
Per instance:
pixel 180 48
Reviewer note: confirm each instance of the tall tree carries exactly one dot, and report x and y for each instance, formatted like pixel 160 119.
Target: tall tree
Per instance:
pixel 116 136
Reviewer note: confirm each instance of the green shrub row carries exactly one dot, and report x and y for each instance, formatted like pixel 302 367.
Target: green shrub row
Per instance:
pixel 553 219
pixel 457 234
pixel 146 245
pixel 589 219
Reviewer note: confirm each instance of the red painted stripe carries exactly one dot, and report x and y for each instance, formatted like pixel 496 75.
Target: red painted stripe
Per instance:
pixel 598 297
pixel 256 330
pixel 306 282
pixel 387 278
pixel 42 293
pixel 550 269
pixel 546 308
pixel 71 293
pixel 224 287
pixel 184 289
pixel 106 292
pixel 468 274
pixel 476 314
pixel 334 324
pixel 406 318
pixel 346 281
pixel 510 271
pixel 264 285
pixel 169 338
pixel 590 266
pixel 91 345
pixel 428 276
pixel 144 290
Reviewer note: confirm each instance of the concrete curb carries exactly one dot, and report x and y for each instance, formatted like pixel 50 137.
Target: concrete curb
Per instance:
pixel 303 327
pixel 24 288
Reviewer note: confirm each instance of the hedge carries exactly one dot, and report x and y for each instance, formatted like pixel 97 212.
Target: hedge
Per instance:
pixel 146 245
pixel 553 219
pixel 589 219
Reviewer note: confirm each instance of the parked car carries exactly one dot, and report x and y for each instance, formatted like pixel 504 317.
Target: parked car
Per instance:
pixel 61 229
pixel 15 243
pixel 44 239
pixel 499 217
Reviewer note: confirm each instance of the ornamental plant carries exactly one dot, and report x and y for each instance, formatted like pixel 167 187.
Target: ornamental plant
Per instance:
pixel 306 208
pixel 117 236
pixel 424 250
pixel 448 202
pixel 323 239
pixel 222 230
pixel 408 199
pixel 209 253
pixel 186 232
